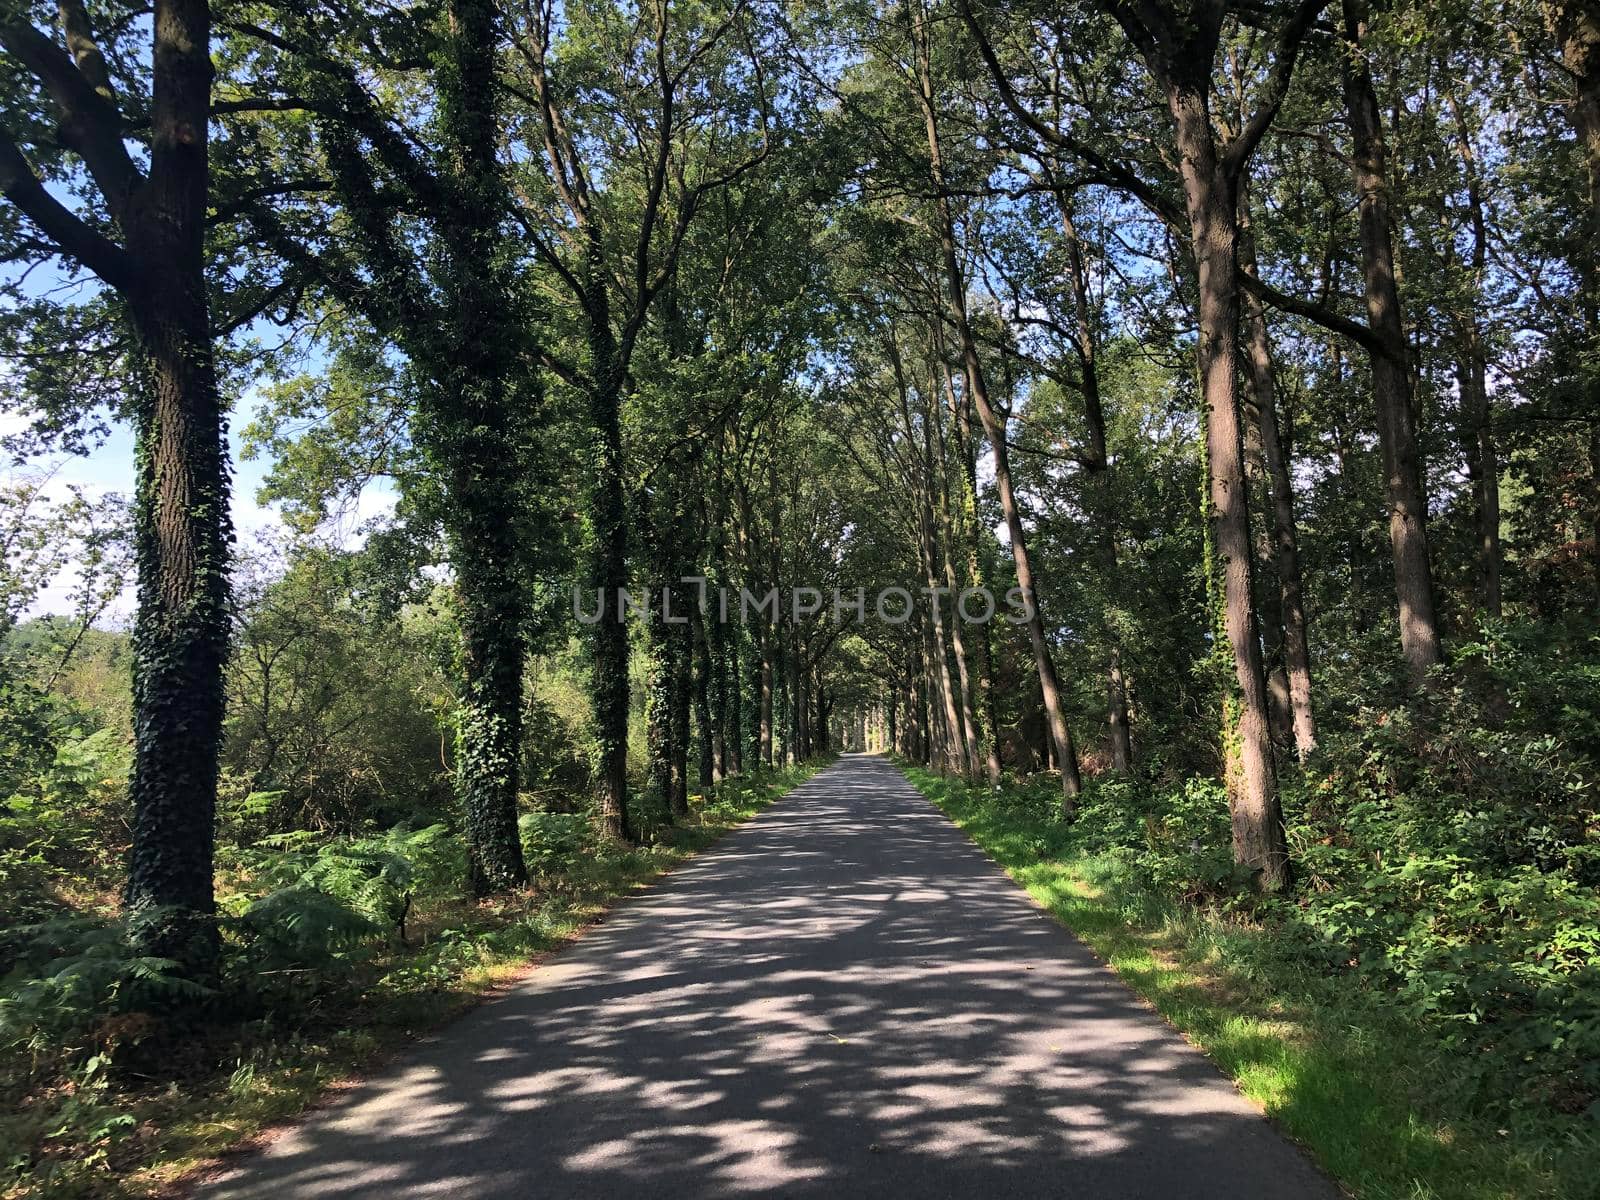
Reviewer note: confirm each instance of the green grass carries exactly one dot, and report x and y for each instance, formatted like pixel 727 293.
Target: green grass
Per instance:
pixel 1362 1087
pixel 243 1078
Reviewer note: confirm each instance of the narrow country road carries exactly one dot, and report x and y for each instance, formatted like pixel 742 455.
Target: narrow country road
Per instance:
pixel 844 998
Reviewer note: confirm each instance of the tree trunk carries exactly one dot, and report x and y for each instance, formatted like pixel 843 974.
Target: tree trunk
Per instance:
pixel 658 705
pixel 969 531
pixel 733 721
pixel 724 726
pixel 180 638
pixel 1258 834
pixel 680 638
pixel 471 423
pixel 765 698
pixel 1263 388
pixel 182 529
pixel 802 706
pixel 956 759
pixel 943 542
pixel 704 672
pixel 609 574
pixel 1391 378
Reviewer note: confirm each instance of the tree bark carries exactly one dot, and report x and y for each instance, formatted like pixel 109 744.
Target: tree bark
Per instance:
pixel 1263 388
pixel 679 637
pixel 471 420
pixel 765 698
pixel 1209 195
pixel 180 638
pixel 704 673
pixel 182 526
pixel 658 722
pixel 609 574
pixel 1391 377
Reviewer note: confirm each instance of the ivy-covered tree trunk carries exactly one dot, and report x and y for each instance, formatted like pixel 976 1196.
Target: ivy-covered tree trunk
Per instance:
pixel 180 637
pixel 157 204
pixel 489 714
pixel 182 528
pixel 470 425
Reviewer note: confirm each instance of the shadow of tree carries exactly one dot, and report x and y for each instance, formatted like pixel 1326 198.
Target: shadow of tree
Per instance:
pixel 843 998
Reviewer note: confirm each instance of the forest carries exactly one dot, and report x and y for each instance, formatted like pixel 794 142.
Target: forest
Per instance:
pixel 391 390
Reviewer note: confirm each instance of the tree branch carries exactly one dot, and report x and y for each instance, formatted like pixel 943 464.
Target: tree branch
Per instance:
pixel 91 125
pixel 66 229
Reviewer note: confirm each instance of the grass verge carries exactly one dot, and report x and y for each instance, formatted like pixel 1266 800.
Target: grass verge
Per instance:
pixel 140 1136
pixel 1356 1082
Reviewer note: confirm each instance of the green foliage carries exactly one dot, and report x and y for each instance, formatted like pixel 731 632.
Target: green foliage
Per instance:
pixel 553 843
pixel 331 898
pixel 67 975
pixel 63 811
pixel 1454 863
pixel 334 709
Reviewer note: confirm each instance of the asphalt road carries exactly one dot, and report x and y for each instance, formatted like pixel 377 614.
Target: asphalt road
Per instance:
pixel 843 998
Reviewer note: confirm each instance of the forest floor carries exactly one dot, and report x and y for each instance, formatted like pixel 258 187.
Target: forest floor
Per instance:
pixel 843 998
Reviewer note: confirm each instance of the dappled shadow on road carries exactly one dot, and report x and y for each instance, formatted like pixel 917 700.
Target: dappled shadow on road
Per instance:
pixel 844 998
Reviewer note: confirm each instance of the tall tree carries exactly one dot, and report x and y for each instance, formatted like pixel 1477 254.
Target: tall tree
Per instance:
pixel 455 312
pixel 1391 371
pixel 1262 414
pixel 151 253
pixel 1577 30
pixel 608 204
pixel 1179 50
